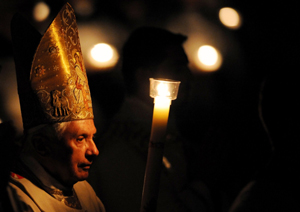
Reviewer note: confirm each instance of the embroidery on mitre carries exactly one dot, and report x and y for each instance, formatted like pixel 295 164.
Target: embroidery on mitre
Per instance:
pixel 39 70
pixel 60 104
pixel 56 104
pixel 53 50
pixel 81 91
pixel 58 76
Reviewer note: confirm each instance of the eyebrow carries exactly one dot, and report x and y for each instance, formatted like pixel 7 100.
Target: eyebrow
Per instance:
pixel 85 134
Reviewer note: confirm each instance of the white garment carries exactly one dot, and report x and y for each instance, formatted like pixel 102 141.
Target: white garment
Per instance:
pixel 26 196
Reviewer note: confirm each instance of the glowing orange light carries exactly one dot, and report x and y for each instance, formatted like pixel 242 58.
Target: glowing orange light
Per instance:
pixel 102 52
pixel 103 55
pixel 208 58
pixel 230 17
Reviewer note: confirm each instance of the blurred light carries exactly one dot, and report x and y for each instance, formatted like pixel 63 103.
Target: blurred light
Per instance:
pixel 41 11
pixel 207 55
pixel 0 121
pixel 166 163
pixel 84 7
pixel 208 58
pixel 97 32
pixel 230 17
pixel 103 55
pixel 102 52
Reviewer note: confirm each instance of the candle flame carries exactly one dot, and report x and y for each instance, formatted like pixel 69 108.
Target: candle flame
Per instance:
pixel 163 90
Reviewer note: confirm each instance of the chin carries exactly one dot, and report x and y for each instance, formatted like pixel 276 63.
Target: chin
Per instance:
pixel 83 175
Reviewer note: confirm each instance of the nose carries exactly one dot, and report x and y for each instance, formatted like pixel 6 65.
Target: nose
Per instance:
pixel 92 150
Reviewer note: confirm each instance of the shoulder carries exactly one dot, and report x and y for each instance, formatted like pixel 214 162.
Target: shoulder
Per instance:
pixel 19 194
pixel 88 197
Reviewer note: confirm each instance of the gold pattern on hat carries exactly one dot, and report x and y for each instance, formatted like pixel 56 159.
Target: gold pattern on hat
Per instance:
pixel 58 75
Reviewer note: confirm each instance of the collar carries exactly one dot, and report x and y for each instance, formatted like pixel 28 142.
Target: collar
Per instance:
pixel 41 174
pixel 44 180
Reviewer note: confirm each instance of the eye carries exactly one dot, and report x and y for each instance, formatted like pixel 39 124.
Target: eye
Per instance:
pixel 80 138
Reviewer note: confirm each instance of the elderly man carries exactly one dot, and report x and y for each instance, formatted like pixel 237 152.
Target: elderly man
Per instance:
pixel 58 147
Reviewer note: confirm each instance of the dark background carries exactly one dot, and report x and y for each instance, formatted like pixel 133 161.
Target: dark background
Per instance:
pixel 221 120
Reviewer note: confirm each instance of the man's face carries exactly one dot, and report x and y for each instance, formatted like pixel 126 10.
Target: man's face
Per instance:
pixel 75 152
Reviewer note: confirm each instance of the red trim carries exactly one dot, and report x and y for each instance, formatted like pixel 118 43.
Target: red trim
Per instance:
pixel 16 176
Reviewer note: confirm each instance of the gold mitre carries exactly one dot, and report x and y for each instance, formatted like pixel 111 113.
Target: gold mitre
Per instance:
pixel 56 89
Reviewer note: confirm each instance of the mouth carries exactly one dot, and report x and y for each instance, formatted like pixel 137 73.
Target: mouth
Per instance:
pixel 85 167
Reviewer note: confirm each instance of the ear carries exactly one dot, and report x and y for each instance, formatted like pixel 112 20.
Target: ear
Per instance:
pixel 40 145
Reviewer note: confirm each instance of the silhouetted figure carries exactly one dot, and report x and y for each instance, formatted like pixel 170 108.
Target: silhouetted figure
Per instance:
pixel 118 173
pixel 275 188
pixel 8 154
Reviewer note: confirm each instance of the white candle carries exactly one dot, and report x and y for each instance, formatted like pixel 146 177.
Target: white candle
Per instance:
pixel 163 91
pixel 160 118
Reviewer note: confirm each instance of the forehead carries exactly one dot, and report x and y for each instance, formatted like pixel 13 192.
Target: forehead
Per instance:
pixel 80 127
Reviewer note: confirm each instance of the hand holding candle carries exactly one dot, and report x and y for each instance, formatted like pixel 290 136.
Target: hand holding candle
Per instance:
pixel 163 91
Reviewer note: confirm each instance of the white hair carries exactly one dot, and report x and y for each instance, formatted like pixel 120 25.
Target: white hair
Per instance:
pixel 59 128
pixel 53 132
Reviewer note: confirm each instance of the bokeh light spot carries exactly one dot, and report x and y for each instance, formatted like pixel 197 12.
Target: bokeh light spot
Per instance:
pixel 230 17
pixel 208 58
pixel 102 52
pixel 207 55
pixel 41 11
pixel 103 56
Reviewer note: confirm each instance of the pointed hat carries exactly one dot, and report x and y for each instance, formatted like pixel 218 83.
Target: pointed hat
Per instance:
pixel 51 76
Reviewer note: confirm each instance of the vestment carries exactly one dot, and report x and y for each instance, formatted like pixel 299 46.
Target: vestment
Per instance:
pixel 118 172
pixel 53 88
pixel 25 194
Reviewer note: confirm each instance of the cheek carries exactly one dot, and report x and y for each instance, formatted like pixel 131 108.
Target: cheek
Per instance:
pixel 78 156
